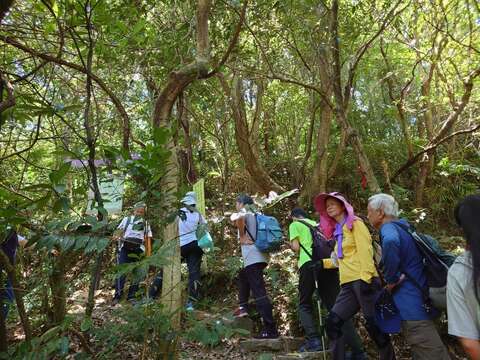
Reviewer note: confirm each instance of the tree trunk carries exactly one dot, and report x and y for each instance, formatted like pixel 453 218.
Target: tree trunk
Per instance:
pixel 317 181
pixel 176 84
pixel 258 174
pixel 58 288
pixel 399 104
pixel 341 103
pixel 426 165
pixel 188 166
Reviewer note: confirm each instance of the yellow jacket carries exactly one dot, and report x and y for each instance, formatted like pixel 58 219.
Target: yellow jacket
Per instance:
pixel 357 262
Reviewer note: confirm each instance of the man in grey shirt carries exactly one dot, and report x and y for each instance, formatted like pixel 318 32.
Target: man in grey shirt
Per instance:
pixel 463 282
pixel 254 262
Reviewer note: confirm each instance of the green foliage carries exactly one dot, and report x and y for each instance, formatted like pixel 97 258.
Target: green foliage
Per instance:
pixel 141 324
pixel 211 332
pixel 51 344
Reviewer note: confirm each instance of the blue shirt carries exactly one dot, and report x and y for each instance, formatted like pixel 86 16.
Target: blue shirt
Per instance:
pixel 400 255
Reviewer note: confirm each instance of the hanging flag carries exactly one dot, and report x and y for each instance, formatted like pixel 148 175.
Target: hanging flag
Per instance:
pixel 199 189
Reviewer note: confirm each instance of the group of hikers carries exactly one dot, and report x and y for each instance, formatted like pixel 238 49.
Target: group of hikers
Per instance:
pixel 336 261
pixel 346 278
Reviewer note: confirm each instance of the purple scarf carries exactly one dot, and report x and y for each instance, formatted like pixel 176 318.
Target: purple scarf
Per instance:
pixel 338 234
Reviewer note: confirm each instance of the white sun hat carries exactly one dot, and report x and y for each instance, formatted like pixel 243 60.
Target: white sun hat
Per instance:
pixel 190 198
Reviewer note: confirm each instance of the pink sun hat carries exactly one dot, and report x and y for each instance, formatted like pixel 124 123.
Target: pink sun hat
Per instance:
pixel 327 223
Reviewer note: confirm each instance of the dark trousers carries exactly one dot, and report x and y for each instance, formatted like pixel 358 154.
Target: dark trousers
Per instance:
pixel 125 256
pixel 6 297
pixel 354 296
pixel 192 254
pixel 250 280
pixel 329 285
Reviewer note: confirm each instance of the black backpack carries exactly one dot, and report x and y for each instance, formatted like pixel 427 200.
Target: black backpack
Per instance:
pixel 436 262
pixel 321 247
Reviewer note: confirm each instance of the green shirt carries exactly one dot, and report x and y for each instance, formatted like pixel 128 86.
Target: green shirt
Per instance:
pixel 300 232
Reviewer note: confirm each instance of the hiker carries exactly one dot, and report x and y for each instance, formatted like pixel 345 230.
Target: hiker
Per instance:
pixel 250 277
pixel 463 293
pixel 190 219
pixel 328 282
pixel 9 246
pixel 405 279
pixel 359 282
pixel 132 234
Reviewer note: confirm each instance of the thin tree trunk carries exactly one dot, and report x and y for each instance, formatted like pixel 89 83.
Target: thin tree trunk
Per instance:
pixel 312 109
pixel 317 182
pixel 399 102
pixel 91 144
pixel 59 289
pixel 189 169
pixel 338 154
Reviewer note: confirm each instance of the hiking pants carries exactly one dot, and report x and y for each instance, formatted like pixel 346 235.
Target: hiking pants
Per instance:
pixel 125 256
pixel 7 296
pixel 354 296
pixel 328 282
pixel 192 254
pixel 250 279
pixel 424 341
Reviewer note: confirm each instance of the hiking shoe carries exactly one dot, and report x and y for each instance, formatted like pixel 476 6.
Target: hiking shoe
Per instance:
pixel 267 335
pixel 311 345
pixel 189 306
pixel 240 312
pixel 349 355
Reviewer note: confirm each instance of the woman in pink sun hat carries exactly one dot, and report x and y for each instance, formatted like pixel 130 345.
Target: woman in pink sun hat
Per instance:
pixel 359 282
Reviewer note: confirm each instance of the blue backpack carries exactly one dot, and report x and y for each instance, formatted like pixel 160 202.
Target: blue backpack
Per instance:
pixel 269 233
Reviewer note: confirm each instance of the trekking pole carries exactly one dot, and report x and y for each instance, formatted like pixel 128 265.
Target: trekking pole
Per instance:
pixel 320 317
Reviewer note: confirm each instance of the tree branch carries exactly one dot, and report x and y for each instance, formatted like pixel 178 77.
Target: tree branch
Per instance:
pixel 117 103
pixel 233 41
pixel 361 51
pixel 417 157
pixel 37 133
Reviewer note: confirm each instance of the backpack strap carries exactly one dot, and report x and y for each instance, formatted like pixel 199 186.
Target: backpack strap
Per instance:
pixel 311 227
pixel 411 231
pixel 246 227
pixel 306 251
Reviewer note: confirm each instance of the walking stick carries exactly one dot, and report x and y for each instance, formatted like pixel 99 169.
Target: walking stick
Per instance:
pixel 319 304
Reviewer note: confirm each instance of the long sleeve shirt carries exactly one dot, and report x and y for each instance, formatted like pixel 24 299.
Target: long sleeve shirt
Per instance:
pixel 357 262
pixel 400 255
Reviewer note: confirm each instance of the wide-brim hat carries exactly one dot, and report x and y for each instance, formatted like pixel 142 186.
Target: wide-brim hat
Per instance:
pixel 190 198
pixel 140 205
pixel 327 224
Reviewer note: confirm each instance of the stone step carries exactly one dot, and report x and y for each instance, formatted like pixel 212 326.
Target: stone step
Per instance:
pixel 281 344
pixel 317 355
